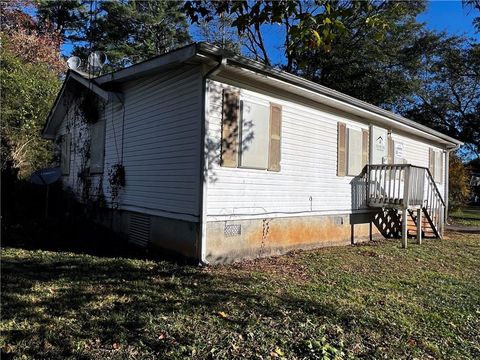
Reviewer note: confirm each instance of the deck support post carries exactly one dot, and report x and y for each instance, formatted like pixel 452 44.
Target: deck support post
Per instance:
pixel 404 228
pixel 419 226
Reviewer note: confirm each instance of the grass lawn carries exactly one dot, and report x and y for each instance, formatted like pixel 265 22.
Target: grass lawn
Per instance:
pixel 469 216
pixel 373 301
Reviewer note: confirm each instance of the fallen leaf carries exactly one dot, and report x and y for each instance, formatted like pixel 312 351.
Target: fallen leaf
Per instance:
pixel 222 314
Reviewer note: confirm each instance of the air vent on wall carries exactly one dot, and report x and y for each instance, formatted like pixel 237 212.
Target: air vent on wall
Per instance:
pixel 232 230
pixel 139 229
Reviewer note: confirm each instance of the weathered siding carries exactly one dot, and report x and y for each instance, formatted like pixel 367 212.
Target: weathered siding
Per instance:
pixel 307 182
pixel 157 134
pixel 82 187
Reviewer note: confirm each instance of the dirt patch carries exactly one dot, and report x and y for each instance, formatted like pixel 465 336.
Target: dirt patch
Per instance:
pixel 279 266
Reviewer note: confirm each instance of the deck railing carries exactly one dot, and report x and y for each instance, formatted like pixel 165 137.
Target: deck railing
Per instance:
pixel 405 186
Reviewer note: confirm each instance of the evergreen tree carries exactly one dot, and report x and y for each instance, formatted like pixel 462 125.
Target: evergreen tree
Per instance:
pixel 134 30
pixel 127 31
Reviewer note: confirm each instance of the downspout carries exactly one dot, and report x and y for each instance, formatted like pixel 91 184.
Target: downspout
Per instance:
pixel 201 237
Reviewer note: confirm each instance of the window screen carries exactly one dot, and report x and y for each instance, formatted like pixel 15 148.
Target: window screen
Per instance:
pixel 354 159
pixel 254 135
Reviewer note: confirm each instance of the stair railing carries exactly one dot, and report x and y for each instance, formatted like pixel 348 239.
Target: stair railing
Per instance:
pixel 405 186
pixel 434 206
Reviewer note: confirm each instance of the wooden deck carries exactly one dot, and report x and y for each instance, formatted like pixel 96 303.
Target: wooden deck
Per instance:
pixel 412 191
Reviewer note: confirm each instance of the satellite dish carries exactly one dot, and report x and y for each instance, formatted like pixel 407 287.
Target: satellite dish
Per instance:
pixel 74 62
pixel 46 176
pixel 97 59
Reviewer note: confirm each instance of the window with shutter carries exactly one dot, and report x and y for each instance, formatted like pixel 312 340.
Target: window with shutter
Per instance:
pixel 65 154
pixel 341 149
pixel 230 128
pixel 274 155
pixel 255 135
pixel 97 147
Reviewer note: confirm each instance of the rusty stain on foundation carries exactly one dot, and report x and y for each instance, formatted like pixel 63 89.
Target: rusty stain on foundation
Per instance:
pixel 263 237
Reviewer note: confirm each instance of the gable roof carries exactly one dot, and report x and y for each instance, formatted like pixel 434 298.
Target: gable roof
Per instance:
pixel 204 53
pixel 60 106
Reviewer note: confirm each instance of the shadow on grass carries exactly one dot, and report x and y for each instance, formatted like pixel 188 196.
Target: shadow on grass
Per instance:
pixel 79 236
pixel 63 304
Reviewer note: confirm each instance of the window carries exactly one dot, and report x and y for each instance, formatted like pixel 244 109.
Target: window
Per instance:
pixel 251 133
pixel 436 165
pixel 254 135
pixel 354 159
pixel 97 147
pixel 65 154
pixel 352 150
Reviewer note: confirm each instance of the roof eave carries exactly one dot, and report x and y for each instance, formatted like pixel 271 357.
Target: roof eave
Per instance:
pixel 258 67
pixel 173 58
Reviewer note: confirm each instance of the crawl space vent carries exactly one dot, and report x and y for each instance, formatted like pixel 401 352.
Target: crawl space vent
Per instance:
pixel 139 229
pixel 232 230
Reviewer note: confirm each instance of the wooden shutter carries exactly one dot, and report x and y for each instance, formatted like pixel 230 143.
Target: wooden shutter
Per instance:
pixel 365 147
pixel 390 150
pixel 97 147
pixel 440 167
pixel 230 126
pixel 65 154
pixel 341 149
pixel 431 162
pixel 274 153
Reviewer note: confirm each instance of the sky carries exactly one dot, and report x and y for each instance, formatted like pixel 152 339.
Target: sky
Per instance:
pixel 449 16
pixel 440 15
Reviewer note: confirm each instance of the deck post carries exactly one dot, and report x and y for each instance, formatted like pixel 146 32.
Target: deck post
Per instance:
pixel 419 225
pixel 404 228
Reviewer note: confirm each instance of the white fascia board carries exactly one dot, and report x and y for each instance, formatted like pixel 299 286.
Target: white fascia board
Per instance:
pixel 175 57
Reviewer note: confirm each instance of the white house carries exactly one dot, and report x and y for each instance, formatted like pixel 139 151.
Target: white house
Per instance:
pixel 218 157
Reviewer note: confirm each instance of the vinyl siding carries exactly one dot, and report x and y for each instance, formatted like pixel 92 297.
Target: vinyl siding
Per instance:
pixel 417 153
pixel 308 181
pixel 157 130
pixel 79 158
pixel 161 143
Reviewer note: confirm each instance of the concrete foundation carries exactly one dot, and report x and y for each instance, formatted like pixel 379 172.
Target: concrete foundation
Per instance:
pixel 228 241
pixel 170 236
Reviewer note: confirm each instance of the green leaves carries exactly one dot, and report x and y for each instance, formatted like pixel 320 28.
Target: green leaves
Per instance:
pixel 28 90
